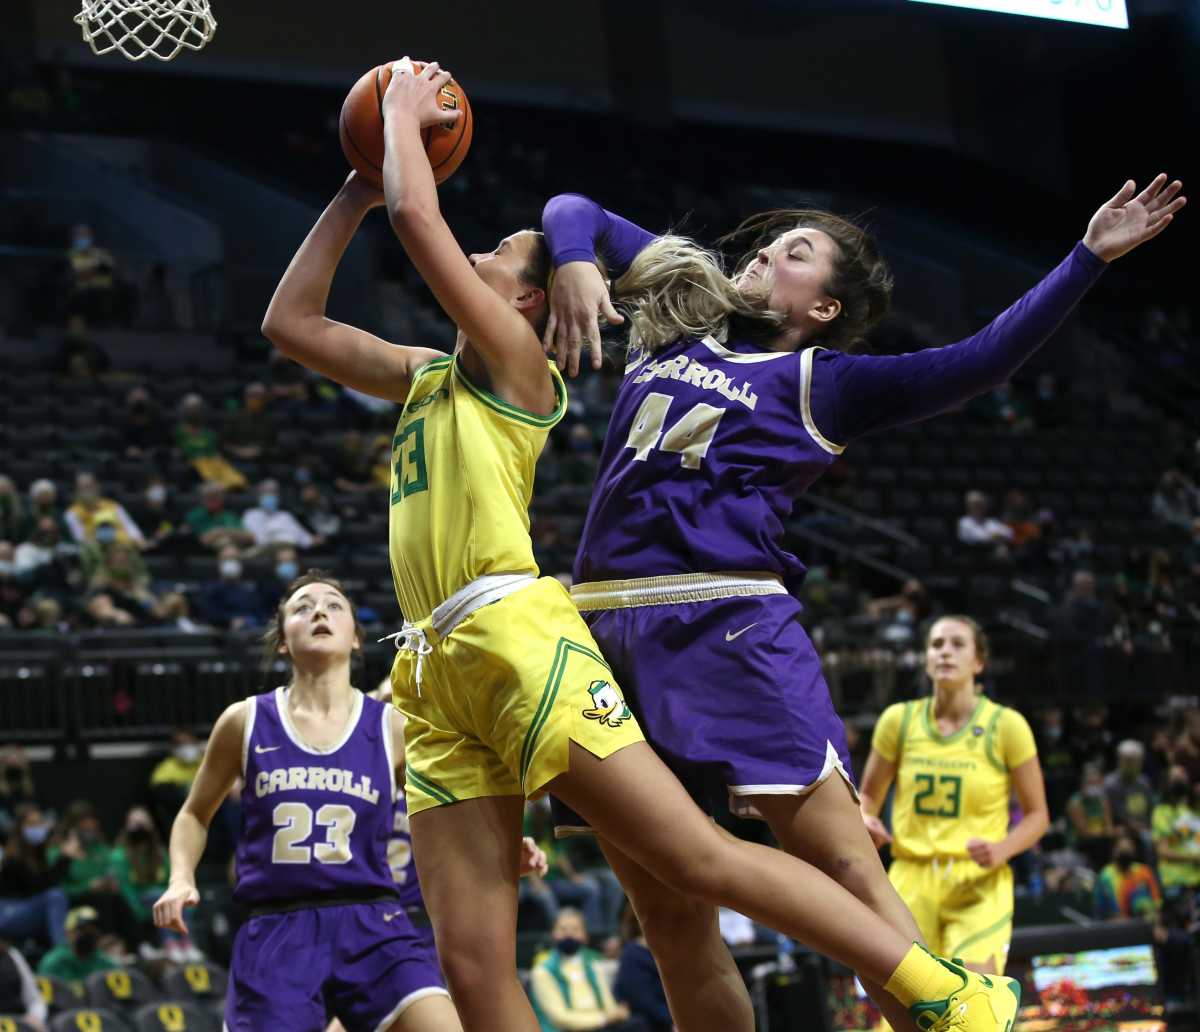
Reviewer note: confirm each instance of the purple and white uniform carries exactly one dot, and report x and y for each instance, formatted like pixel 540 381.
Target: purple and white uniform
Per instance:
pixel 329 935
pixel 681 570
pixel 404 873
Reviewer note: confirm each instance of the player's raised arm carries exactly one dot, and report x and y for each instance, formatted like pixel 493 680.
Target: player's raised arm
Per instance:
pixel 866 393
pixel 296 322
pixel 218 771
pixel 578 231
pixel 498 336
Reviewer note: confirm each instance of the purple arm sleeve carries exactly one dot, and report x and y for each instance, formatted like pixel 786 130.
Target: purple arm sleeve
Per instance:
pixel 853 395
pixel 577 229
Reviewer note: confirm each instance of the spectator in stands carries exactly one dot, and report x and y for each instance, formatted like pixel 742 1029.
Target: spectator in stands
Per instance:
pixel 898 616
pixel 249 435
pixel 638 984
pixel 143 429
pixel 1176 829
pixel 231 601
pixel 173 776
pixel 319 512
pixel 1126 888
pixel 1081 628
pixel 81 954
pixel 174 612
pixel 91 878
pixel 1091 826
pixel 198 443
pixel 102 611
pixel 1019 517
pixel 1185 750
pixel 569 886
pixel 118 570
pixel 90 511
pixel 569 990
pixel 215 526
pixel 1008 409
pixel 79 357
pixel 1058 761
pixel 12 512
pixel 273 526
pixel 42 614
pixel 140 860
pixel 44 562
pixel 92 270
pixel 352 465
pixel 979 530
pixel 19 994
pixel 1130 794
pixel 16 787
pixel 288 384
pixel 32 904
pixel 1176 501
pixel 43 502
pixel 286 569
pixel 154 510
pixel 13 597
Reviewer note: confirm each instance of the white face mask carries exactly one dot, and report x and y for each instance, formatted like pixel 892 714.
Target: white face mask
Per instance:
pixel 187 753
pixel 231 569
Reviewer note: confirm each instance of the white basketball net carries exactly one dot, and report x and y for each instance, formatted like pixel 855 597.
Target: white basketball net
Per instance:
pixel 146 28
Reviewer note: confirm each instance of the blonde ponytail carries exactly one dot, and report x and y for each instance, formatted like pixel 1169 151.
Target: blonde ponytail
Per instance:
pixel 675 288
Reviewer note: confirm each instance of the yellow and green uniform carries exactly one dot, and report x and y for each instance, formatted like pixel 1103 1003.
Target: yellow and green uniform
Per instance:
pixel 951 789
pixel 503 694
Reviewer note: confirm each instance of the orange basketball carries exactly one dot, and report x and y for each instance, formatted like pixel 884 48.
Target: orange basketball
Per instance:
pixel 361 127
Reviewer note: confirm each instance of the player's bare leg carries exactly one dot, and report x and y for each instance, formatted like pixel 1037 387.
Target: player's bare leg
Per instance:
pixel 704 988
pixel 634 801
pixel 826 829
pixel 468 858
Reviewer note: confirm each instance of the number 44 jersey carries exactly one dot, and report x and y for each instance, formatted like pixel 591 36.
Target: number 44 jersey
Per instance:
pixel 315 822
pixel 706 452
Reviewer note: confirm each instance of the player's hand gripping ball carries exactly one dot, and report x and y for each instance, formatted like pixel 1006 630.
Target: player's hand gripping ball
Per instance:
pixel 360 126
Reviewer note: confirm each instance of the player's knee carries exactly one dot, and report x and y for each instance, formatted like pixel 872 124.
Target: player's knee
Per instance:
pixel 672 922
pixel 861 875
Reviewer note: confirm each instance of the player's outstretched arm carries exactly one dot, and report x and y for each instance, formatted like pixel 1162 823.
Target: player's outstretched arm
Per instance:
pixel 501 339
pixel 873 392
pixel 296 322
pixel 220 768
pixel 577 231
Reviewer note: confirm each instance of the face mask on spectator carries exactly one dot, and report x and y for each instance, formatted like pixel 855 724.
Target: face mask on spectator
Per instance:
pixel 1124 857
pixel 569 946
pixel 81 241
pixel 1053 733
pixel 269 501
pixel 188 753
pixel 106 534
pixel 287 570
pixel 87 836
pixel 156 494
pixel 231 569
pixel 303 475
pixel 86 941
pixel 36 834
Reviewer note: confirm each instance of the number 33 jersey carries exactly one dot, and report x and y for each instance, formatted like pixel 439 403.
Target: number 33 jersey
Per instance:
pixel 951 788
pixel 707 450
pixel 315 822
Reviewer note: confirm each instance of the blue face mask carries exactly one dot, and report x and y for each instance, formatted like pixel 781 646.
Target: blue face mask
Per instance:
pixel 36 834
pixel 269 502
pixel 106 534
pixel 287 570
pixel 82 242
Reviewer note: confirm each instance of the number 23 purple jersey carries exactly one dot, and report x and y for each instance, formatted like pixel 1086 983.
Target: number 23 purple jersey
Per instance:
pixel 706 451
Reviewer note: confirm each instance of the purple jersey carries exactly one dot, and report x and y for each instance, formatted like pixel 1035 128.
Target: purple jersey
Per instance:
pixel 400 855
pixel 705 454
pixel 710 445
pixel 315 822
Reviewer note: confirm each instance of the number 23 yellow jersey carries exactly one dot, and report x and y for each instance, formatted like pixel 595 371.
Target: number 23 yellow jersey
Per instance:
pixel 951 788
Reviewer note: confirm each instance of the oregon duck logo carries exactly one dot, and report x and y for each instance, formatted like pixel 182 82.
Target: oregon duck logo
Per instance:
pixel 607 706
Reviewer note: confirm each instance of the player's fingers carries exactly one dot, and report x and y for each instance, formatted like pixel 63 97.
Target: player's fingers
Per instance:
pixel 548 336
pixel 1165 198
pixel 613 317
pixel 402 67
pixel 440 80
pixel 1121 197
pixel 1152 188
pixel 430 70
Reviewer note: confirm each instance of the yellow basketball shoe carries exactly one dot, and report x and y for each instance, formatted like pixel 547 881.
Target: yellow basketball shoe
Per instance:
pixel 985 1003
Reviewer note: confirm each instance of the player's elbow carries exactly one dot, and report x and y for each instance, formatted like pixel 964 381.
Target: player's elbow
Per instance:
pixel 409 215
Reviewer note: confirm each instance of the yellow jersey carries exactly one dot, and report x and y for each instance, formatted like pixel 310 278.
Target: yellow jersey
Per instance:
pixel 462 475
pixel 950 788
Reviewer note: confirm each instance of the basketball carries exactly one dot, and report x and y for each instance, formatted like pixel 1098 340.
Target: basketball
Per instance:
pixel 360 127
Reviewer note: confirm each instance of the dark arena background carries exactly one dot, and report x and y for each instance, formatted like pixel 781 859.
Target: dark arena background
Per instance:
pixel 148 209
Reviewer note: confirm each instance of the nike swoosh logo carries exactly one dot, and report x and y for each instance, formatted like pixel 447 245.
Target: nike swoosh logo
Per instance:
pixel 260 749
pixel 737 634
pixel 389 917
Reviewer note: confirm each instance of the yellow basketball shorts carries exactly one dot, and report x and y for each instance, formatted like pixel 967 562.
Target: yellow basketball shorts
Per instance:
pixel 503 696
pixel 962 909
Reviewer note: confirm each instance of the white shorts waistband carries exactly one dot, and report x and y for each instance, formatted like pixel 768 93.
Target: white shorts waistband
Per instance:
pixel 673 589
pixel 482 591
